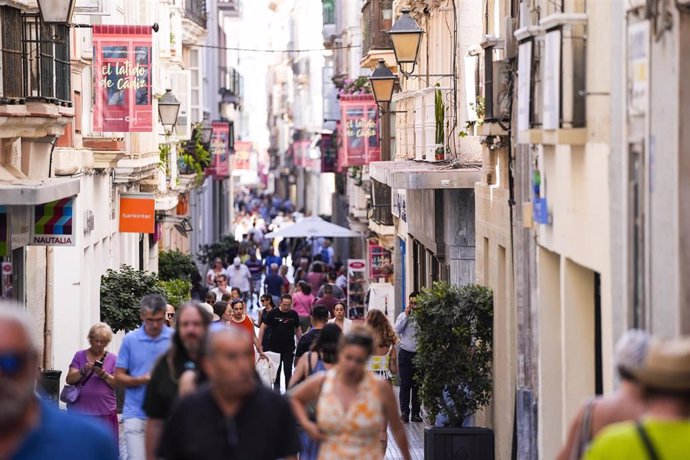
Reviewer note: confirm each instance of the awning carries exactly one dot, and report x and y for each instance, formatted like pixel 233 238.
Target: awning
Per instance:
pixel 418 175
pixel 33 191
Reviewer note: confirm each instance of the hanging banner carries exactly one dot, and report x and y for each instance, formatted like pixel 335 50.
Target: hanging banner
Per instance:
pixel 359 130
pixel 329 153
pixel 53 223
pixel 122 70
pixel 137 213
pixel 220 149
pixel 242 159
pixel 4 231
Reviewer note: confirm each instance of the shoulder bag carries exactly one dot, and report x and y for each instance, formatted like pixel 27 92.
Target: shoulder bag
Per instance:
pixel 70 393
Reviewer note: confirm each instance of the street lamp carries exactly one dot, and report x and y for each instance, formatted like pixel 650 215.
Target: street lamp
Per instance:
pixel 406 36
pixel 57 12
pixel 206 132
pixel 168 109
pixel 382 84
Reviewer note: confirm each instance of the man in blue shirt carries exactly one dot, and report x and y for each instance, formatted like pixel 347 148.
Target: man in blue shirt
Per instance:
pixel 271 259
pixel 29 428
pixel 139 352
pixel 406 328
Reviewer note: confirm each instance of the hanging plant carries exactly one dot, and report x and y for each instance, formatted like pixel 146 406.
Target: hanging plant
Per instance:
pixel 360 85
pixel 195 158
pixel 440 112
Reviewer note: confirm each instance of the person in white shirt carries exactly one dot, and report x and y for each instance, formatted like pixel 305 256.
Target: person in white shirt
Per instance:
pixel 240 277
pixel 221 287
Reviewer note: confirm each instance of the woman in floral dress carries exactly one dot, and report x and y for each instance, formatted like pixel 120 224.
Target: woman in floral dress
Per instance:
pixel 352 405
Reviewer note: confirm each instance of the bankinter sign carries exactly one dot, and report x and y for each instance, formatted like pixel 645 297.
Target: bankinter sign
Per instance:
pixel 137 213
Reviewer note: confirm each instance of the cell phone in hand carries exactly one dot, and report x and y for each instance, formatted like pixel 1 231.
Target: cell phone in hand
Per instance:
pixel 98 363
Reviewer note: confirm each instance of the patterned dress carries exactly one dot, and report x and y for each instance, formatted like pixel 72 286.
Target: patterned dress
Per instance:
pixel 351 435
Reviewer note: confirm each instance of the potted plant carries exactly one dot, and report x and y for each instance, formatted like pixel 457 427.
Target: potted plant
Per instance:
pixel 454 357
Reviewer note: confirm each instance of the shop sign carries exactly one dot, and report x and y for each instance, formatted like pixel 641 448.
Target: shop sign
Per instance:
pixel 137 213
pixel 53 223
pixel 4 231
pixel 329 153
pixel 122 69
pixel 220 149
pixel 7 268
pixel 359 131
pixel 541 211
pixel 242 159
pixel 380 263
pixel 638 68
pixel 399 205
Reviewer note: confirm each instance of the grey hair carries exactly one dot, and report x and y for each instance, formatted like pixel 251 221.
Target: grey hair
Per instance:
pixel 274 266
pixel 631 350
pixel 153 303
pixel 13 312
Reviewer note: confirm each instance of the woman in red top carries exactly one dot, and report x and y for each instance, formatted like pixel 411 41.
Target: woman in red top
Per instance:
pixel 240 319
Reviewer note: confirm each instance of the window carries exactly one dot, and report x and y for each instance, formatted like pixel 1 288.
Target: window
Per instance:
pixel 328 12
pixel 195 108
pixel 377 19
pixel 46 61
pixel 12 54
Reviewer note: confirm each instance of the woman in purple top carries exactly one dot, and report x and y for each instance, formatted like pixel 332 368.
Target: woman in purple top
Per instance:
pixel 95 368
pixel 303 302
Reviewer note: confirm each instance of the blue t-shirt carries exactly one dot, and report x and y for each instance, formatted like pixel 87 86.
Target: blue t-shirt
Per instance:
pixel 137 355
pixel 274 284
pixel 272 260
pixel 67 436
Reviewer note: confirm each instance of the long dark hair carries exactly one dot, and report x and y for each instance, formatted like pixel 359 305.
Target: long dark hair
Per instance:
pixel 177 355
pixel 270 300
pixel 326 343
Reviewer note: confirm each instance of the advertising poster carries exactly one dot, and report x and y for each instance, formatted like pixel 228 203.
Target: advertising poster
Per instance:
pixel 220 148
pixel 137 213
pixel 53 223
pixel 380 263
pixel 359 116
pixel 242 159
pixel 122 70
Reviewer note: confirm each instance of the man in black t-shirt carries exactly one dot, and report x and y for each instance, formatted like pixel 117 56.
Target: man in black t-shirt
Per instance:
pixel 234 417
pixel 319 318
pixel 284 323
pixel 184 354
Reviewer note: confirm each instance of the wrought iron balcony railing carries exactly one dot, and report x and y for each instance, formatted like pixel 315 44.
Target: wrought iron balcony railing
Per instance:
pixel 195 11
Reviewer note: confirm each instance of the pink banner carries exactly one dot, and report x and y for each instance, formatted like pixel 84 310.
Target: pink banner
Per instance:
pixel 122 69
pixel 220 149
pixel 358 130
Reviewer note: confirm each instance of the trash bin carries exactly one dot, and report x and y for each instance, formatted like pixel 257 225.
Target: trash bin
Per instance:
pixel 49 385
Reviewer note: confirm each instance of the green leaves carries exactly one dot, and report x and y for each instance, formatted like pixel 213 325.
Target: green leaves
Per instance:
pixel 121 292
pixel 175 265
pixel 226 249
pixel 177 291
pixel 454 354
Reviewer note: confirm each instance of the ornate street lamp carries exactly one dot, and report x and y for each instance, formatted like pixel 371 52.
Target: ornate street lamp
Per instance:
pixel 382 84
pixel 57 12
pixel 168 109
pixel 206 132
pixel 406 36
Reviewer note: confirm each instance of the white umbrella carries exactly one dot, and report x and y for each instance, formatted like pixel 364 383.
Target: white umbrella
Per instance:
pixel 312 227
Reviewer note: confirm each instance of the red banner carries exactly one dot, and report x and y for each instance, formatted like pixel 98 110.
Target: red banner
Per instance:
pixel 122 69
pixel 241 160
pixel 358 130
pixel 220 149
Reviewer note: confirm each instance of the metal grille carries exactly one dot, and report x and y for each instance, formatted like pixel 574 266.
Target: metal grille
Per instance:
pixel 46 61
pixel 381 206
pixel 12 54
pixel 195 10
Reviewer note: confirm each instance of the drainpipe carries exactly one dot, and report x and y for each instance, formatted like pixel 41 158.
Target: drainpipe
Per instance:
pixel 48 327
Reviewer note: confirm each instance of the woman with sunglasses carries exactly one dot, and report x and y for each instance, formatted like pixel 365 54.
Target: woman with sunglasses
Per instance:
pixel 351 404
pixel 94 369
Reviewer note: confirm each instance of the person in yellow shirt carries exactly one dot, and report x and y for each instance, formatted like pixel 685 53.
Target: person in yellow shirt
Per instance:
pixel 663 432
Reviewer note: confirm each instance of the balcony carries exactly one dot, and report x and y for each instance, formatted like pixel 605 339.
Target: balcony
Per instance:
pixel 231 85
pixel 377 19
pixel 230 7
pixel 328 8
pixel 35 91
pixel 381 212
pixel 195 11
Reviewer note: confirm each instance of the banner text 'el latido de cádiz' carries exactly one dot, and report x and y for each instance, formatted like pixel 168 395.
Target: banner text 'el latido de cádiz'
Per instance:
pixel 122 70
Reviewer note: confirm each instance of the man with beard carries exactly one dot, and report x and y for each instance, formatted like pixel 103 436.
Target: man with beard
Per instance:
pixel 29 428
pixel 234 416
pixel 139 351
pixel 161 392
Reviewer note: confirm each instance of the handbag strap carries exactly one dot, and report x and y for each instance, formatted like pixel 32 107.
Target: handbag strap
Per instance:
pixel 85 378
pixel 646 440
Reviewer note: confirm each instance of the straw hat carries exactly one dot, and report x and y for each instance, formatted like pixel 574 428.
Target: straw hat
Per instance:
pixel 667 366
pixel 209 309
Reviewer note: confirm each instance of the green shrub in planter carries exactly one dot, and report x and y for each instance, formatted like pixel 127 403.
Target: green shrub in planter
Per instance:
pixel 176 292
pixel 121 292
pixel 173 265
pixel 226 249
pixel 454 354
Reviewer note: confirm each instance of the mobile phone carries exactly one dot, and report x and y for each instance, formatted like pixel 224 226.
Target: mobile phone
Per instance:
pixel 98 363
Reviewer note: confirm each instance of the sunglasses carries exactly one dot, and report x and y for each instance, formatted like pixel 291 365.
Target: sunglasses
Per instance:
pixel 13 363
pixel 170 315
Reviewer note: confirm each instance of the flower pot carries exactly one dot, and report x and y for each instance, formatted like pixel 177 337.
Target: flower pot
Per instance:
pixel 474 443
